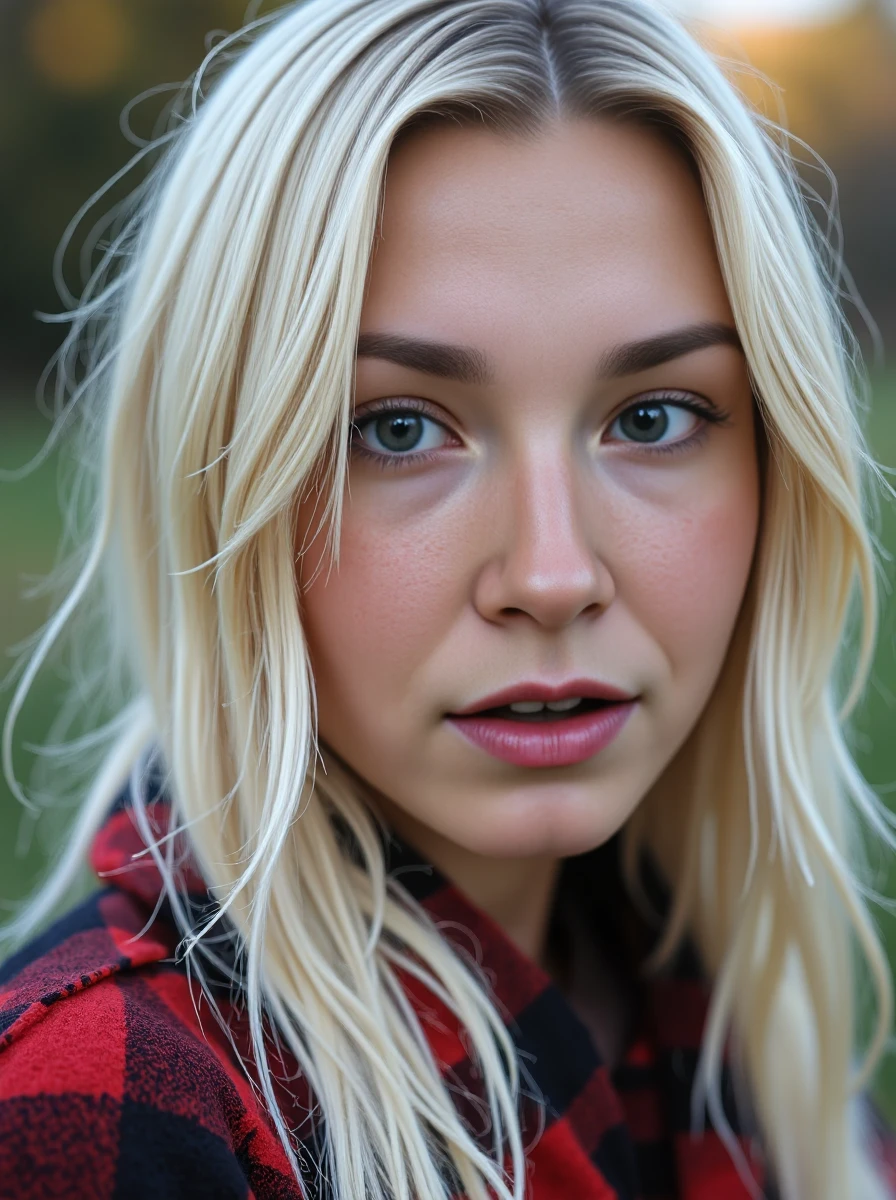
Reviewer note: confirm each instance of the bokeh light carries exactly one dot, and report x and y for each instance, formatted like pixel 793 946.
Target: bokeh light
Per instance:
pixel 79 45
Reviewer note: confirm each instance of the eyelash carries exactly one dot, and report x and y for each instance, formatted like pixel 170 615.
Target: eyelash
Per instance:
pixel 709 412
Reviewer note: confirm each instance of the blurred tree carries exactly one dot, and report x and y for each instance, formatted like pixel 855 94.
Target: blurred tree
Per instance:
pixel 837 80
pixel 837 89
pixel 68 69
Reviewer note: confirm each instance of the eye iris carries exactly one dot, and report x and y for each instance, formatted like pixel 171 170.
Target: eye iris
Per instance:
pixel 650 419
pixel 399 431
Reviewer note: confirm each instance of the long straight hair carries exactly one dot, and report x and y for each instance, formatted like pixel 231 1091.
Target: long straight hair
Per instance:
pixel 219 332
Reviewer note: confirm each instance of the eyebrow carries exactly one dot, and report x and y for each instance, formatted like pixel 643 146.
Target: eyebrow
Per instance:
pixel 630 357
pixel 462 363
pixel 465 364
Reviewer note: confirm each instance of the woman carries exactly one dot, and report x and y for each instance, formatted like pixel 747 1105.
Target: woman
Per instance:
pixel 479 502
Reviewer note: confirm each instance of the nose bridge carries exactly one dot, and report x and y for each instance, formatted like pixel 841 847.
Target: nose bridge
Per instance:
pixel 549 566
pixel 545 517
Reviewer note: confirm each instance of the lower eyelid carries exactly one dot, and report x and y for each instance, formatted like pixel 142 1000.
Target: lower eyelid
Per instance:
pixel 683 444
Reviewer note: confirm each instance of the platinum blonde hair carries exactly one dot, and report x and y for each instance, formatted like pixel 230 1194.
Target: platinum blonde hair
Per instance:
pixel 220 331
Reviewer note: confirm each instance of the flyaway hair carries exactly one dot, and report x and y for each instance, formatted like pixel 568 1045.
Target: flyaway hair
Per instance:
pixel 219 333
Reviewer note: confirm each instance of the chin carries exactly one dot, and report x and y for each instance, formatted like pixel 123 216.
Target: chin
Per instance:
pixel 555 822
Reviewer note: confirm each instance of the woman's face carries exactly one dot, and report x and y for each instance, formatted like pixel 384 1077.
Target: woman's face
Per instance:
pixel 533 503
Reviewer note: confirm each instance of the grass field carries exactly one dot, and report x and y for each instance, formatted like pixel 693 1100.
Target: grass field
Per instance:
pixel 29 528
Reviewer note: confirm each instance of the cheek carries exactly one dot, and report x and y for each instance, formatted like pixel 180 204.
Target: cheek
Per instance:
pixel 691 573
pixel 375 618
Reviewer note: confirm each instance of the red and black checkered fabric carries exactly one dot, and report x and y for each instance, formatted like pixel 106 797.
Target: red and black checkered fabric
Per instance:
pixel 117 1082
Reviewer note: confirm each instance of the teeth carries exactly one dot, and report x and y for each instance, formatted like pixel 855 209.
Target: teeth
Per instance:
pixel 536 706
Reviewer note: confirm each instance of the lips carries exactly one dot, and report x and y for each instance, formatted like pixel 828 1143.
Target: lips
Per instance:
pixel 551 739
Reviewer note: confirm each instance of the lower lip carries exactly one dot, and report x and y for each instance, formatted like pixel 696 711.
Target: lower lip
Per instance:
pixel 559 743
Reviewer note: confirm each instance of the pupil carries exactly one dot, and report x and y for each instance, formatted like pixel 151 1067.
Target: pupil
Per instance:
pixel 400 431
pixel 645 419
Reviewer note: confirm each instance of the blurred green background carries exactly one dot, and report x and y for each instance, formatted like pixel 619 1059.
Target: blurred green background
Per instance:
pixel 69 68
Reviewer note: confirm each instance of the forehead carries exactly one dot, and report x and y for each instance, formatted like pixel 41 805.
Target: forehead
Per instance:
pixel 595 217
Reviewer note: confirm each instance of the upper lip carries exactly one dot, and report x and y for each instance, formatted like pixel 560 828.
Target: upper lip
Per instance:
pixel 587 689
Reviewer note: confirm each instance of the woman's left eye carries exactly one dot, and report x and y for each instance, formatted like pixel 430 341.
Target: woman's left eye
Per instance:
pixel 398 432
pixel 664 424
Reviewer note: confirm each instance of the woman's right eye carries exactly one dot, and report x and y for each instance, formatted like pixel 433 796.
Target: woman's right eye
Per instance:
pixel 398 432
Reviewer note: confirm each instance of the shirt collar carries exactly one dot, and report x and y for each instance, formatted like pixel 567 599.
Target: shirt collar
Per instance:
pixel 623 1125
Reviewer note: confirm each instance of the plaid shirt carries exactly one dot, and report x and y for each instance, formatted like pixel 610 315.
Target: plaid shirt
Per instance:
pixel 112 1087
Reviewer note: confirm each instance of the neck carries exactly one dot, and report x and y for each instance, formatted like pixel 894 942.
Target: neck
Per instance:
pixel 517 893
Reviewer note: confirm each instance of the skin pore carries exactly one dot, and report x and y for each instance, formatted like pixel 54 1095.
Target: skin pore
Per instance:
pixel 539 529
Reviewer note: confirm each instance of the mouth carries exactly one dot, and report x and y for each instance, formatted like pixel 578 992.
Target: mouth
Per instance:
pixel 544 712
pixel 532 733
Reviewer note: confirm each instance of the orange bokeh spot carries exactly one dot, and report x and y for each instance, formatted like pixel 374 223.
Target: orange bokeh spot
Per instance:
pixel 79 45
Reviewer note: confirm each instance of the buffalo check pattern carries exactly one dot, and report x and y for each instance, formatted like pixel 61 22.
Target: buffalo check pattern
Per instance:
pixel 118 1083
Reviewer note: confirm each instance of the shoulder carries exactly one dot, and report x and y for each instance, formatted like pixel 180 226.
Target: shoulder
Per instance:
pixel 110 1082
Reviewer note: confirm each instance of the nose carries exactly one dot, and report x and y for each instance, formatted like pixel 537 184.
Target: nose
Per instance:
pixel 543 564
